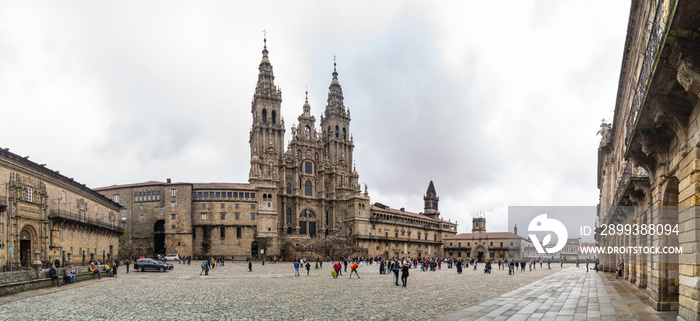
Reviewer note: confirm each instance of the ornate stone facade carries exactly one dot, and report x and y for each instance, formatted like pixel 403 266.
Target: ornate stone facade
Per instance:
pixel 649 160
pixel 304 199
pixel 43 212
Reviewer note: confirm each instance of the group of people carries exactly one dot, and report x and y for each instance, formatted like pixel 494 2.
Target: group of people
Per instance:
pixel 94 267
pixel 67 271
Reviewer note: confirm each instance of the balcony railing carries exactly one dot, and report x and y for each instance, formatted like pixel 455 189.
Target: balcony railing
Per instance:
pixel 629 173
pixel 394 239
pixel 648 66
pixel 85 220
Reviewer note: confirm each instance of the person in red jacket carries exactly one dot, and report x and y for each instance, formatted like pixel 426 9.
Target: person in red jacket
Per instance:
pixel 336 267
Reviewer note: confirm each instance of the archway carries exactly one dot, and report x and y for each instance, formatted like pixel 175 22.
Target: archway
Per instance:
pixel 159 237
pixel 480 252
pixel 254 249
pixel 25 247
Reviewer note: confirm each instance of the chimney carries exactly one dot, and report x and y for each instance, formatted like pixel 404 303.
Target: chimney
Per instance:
pixel 515 229
pixel 168 180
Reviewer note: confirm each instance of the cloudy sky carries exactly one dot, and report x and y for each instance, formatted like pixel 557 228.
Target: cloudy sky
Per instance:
pixel 497 102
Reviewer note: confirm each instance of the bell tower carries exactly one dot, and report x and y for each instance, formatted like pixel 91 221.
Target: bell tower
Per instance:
pixel 431 202
pixel 335 125
pixel 267 133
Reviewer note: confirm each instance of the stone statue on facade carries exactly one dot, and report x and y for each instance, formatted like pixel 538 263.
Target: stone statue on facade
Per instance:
pixel 605 133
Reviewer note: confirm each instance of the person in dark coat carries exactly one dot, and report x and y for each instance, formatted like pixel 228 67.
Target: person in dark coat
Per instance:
pixel 404 274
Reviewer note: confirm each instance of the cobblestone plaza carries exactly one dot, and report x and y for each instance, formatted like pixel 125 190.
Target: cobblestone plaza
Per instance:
pixel 270 292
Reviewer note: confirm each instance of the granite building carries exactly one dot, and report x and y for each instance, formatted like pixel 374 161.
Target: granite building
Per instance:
pixel 304 198
pixel 649 156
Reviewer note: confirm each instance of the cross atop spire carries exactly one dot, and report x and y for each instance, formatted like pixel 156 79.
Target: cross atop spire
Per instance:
pixel 265 39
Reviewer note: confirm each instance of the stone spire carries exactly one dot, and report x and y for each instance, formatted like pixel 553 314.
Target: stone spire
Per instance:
pixel 266 79
pixel 335 95
pixel 431 202
pixel 307 106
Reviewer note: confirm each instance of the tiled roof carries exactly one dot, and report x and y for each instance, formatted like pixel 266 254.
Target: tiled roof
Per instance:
pixel 149 183
pixel 411 214
pixel 239 186
pixel 487 235
pixel 572 242
pixel 223 186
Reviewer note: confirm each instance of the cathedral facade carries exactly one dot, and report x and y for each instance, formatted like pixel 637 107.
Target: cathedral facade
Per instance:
pixel 304 199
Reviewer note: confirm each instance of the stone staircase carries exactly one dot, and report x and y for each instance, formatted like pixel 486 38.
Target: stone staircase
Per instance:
pixel 331 246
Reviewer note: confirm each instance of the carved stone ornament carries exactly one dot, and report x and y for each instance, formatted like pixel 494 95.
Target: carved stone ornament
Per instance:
pixel 687 77
pixel 605 133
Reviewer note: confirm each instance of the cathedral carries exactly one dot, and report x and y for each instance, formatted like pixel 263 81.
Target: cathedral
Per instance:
pixel 304 199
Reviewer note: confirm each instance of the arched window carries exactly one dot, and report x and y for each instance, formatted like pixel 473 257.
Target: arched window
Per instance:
pixel 269 197
pixel 316 157
pixel 264 197
pixel 325 218
pixel 336 131
pixel 289 188
pixel 274 117
pixel 308 167
pixel 264 115
pixel 311 214
pixel 289 215
pixel 303 213
pixel 329 131
pixel 307 132
pixel 308 188
pixel 299 153
pixel 344 134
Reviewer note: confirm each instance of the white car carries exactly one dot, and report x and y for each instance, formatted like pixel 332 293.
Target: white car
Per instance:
pixel 172 257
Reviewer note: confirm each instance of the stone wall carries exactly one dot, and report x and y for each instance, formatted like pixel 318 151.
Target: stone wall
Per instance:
pixel 20 281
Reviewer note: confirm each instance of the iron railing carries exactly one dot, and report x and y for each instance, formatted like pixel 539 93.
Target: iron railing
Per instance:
pixel 648 66
pixel 629 173
pixel 84 219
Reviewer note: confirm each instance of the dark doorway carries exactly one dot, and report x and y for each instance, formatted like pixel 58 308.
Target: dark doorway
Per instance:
pixel 159 237
pixel 312 229
pixel 25 248
pixel 254 249
pixel 480 256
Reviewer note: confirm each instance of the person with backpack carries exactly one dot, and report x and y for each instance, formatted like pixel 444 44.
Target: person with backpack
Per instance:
pixel 353 268
pixel 308 268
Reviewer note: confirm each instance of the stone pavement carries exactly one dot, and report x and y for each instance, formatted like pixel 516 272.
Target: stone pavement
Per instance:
pixel 270 292
pixel 572 294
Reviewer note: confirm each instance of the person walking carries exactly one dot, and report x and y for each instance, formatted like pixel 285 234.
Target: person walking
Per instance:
pixel 395 276
pixel 404 274
pixel 308 268
pixel 250 266
pixel 204 268
pixel 127 265
pixel 587 266
pixel 296 268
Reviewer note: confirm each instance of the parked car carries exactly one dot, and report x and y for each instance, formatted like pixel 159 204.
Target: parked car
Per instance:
pixel 151 264
pixel 172 257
